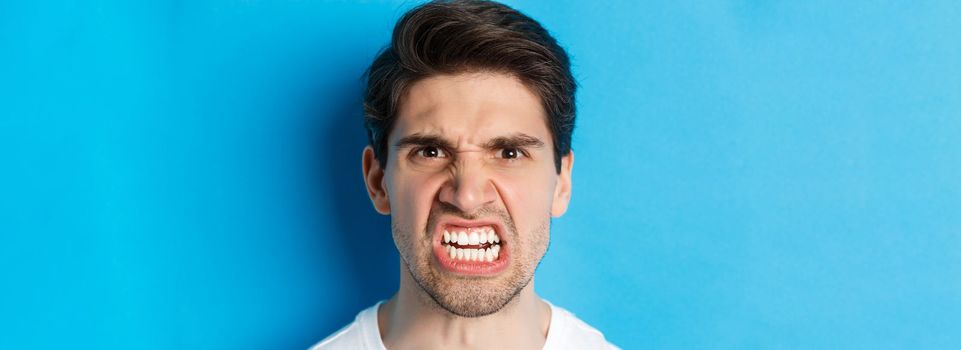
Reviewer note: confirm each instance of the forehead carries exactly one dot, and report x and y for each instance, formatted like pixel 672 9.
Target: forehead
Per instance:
pixel 470 108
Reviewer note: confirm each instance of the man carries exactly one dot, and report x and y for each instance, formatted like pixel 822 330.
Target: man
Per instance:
pixel 469 112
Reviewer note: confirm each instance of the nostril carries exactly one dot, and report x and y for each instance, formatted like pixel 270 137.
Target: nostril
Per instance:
pixel 468 191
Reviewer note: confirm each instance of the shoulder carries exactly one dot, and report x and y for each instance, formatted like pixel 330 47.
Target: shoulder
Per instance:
pixel 569 332
pixel 348 337
pixel 356 335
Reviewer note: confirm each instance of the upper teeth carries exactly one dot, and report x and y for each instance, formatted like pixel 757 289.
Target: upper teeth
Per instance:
pixel 475 237
pixel 472 236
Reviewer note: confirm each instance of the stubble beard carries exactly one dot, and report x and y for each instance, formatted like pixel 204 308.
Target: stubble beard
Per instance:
pixel 467 296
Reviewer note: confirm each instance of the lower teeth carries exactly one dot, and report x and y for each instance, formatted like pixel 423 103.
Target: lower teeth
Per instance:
pixel 470 254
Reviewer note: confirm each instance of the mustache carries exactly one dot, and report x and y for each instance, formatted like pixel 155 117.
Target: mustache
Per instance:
pixel 484 212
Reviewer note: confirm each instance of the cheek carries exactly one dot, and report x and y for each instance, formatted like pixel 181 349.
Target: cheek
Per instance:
pixel 527 196
pixel 411 197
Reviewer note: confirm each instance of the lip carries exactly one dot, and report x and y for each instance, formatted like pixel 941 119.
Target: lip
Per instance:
pixel 470 268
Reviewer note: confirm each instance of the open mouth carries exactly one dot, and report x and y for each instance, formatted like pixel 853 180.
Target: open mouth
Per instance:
pixel 479 243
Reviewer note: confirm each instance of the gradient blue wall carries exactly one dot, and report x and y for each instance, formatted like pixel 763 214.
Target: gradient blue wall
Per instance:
pixel 749 175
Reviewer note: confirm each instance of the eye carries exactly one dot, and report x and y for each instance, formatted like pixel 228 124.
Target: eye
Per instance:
pixel 430 152
pixel 511 153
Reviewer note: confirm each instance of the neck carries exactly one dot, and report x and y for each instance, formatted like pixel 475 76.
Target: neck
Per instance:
pixel 411 319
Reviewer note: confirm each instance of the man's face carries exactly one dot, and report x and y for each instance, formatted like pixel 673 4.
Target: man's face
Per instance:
pixel 470 157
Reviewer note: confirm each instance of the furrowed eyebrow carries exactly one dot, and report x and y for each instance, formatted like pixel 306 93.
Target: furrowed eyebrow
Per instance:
pixel 418 139
pixel 518 140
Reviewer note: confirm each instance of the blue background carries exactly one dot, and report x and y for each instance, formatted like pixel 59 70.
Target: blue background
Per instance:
pixel 749 175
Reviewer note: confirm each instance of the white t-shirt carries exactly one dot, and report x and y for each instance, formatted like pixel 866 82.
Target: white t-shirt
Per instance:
pixel 566 331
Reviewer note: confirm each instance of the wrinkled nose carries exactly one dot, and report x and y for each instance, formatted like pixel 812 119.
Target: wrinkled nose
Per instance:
pixel 470 188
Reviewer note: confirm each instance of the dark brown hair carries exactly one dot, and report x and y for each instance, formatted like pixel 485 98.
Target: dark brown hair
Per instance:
pixel 448 37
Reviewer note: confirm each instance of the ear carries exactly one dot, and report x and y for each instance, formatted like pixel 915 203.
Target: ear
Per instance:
pixel 374 179
pixel 562 190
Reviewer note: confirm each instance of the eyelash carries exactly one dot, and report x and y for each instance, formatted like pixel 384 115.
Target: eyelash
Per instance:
pixel 521 153
pixel 417 151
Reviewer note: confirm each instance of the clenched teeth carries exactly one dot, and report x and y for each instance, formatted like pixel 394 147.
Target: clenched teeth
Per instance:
pixel 472 244
pixel 469 254
pixel 471 236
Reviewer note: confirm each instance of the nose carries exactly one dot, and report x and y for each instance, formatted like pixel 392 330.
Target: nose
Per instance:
pixel 470 187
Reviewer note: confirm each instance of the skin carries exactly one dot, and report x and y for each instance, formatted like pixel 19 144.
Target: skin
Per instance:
pixel 514 182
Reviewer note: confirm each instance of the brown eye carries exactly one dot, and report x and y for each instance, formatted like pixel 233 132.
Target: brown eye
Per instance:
pixel 510 153
pixel 431 152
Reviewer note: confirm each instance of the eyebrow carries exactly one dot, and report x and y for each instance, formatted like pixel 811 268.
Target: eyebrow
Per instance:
pixel 418 139
pixel 516 140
